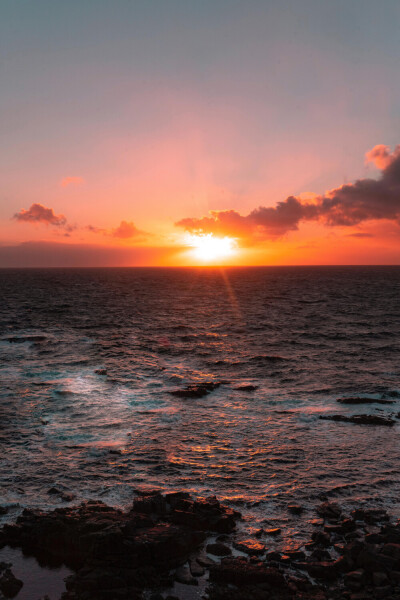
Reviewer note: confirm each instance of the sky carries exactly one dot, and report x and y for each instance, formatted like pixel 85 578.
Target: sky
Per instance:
pixel 179 132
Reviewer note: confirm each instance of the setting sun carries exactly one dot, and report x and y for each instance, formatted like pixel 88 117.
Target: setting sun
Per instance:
pixel 207 247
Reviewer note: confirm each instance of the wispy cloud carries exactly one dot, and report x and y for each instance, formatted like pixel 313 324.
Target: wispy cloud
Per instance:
pixel 66 181
pixel 125 230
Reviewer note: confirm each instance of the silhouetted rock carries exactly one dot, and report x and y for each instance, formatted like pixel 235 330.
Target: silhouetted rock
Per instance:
pixel 357 400
pixel 9 584
pixel 115 553
pixel 218 549
pixel 330 510
pixel 239 571
pixel 246 387
pixel 196 390
pixel 295 509
pixel 360 419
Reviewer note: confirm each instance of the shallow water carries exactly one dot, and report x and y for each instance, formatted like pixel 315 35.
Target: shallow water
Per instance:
pixel 304 336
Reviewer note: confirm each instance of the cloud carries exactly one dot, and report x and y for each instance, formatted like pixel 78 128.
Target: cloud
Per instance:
pixel 344 206
pixel 38 213
pixel 360 235
pixel 66 181
pixel 126 230
pixel 381 156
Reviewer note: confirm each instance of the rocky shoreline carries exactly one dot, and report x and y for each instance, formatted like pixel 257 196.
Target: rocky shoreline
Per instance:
pixel 171 538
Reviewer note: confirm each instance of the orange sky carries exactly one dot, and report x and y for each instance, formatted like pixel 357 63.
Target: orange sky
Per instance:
pixel 125 133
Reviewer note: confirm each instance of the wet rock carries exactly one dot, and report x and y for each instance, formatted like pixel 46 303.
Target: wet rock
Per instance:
pixel 357 400
pixel 360 419
pixel 101 371
pixel 9 584
pixel 238 571
pixel 273 532
pixel 322 538
pixel 195 568
pixel 196 390
pixel 295 509
pixel 355 579
pixel 205 560
pixel 370 515
pixel 151 504
pixel 183 575
pixel 251 547
pixel 379 579
pixel 3 510
pixel 116 554
pixel 330 510
pixel 320 554
pixel 218 549
pixel 246 388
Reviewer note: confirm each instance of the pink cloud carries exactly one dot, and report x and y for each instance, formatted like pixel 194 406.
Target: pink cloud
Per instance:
pixel 38 213
pixel 66 181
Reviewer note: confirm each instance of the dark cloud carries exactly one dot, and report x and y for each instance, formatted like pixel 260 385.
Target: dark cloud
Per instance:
pixel 38 213
pixel 348 205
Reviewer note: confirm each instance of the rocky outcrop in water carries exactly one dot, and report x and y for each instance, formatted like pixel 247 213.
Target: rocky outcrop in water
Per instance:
pixel 116 554
pixel 165 538
pixel 360 419
pixel 357 400
pixel 9 584
pixel 196 390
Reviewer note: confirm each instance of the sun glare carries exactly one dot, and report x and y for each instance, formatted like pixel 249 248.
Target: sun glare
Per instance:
pixel 208 248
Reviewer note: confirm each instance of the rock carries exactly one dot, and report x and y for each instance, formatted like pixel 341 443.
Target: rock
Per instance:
pixel 295 509
pixel 238 571
pixel 330 510
pixel 195 568
pixel 196 390
pixel 205 560
pixel 251 547
pixel 382 592
pixel 218 549
pixel 246 388
pixel 392 550
pixel 9 584
pixel 101 371
pixel 182 575
pixel 322 538
pixel 116 554
pixel 356 400
pixel 360 419
pixel 355 579
pixel 370 515
pixel 379 579
pixel 67 496
pixel 273 532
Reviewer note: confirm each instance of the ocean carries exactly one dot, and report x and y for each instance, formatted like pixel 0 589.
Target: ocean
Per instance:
pixel 88 358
